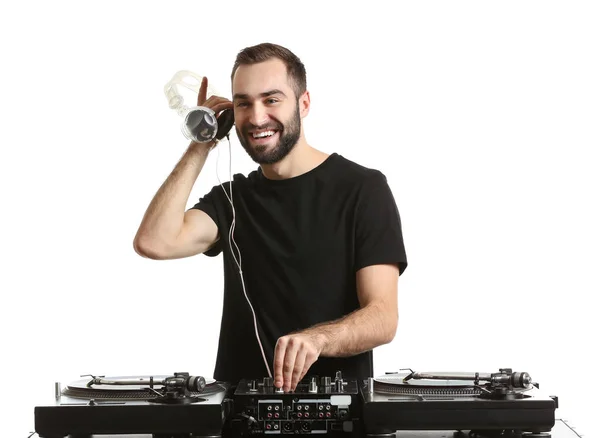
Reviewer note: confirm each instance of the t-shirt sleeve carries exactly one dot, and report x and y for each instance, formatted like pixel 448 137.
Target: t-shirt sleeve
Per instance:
pixel 209 204
pixel 379 237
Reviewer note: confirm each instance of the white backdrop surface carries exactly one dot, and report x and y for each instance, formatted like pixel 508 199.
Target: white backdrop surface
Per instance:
pixel 483 115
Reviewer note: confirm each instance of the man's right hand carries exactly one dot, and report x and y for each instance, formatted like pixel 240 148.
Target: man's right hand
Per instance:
pixel 216 103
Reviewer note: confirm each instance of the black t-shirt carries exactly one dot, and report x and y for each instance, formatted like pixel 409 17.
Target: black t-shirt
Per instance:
pixel 301 241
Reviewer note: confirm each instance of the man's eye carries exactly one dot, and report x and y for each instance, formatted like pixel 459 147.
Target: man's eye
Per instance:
pixel 242 104
pixel 271 101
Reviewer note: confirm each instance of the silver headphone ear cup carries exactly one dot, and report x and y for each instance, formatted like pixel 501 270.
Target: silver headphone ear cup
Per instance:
pixel 200 124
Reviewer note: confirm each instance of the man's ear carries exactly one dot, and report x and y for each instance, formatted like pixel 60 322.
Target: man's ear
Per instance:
pixel 304 104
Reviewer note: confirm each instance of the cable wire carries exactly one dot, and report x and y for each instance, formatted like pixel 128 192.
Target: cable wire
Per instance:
pixel 232 243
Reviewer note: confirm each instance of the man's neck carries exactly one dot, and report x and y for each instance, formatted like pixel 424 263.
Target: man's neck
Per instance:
pixel 301 159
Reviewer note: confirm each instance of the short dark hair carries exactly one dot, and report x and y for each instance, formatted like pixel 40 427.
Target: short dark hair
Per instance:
pixel 265 51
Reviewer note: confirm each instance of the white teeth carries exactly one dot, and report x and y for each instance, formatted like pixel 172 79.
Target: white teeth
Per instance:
pixel 263 134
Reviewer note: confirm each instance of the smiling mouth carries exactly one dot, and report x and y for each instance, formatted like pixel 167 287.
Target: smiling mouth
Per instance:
pixel 263 134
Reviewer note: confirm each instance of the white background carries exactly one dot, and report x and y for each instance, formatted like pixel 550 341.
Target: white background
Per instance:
pixel 483 115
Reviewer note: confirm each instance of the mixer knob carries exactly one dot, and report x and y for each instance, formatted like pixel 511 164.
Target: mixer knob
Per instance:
pixel 326 381
pixel 253 385
pixel 268 382
pixel 339 382
pixel 312 387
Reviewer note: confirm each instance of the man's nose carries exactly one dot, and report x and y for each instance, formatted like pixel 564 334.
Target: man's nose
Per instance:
pixel 259 115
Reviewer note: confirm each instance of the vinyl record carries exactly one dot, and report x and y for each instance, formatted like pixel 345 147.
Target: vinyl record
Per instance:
pixel 124 387
pixel 398 379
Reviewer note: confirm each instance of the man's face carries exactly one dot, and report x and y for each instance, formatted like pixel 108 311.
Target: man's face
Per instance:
pixel 267 113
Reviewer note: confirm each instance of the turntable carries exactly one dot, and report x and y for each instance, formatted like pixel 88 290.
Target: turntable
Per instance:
pixel 163 406
pixel 506 403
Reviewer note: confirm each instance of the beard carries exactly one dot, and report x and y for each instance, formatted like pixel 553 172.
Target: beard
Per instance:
pixel 288 138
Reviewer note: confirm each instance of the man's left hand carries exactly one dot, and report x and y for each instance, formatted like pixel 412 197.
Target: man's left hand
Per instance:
pixel 294 355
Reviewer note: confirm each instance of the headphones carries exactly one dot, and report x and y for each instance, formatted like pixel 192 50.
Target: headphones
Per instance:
pixel 200 124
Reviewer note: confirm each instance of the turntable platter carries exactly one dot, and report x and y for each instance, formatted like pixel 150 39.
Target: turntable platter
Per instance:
pixel 456 385
pixel 125 387
pixel 398 379
pixel 83 384
pixel 395 384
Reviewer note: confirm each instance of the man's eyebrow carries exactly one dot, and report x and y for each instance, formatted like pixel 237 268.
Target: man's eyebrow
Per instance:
pixel 265 94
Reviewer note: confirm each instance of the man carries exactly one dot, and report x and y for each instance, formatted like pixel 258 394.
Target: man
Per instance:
pixel 319 237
